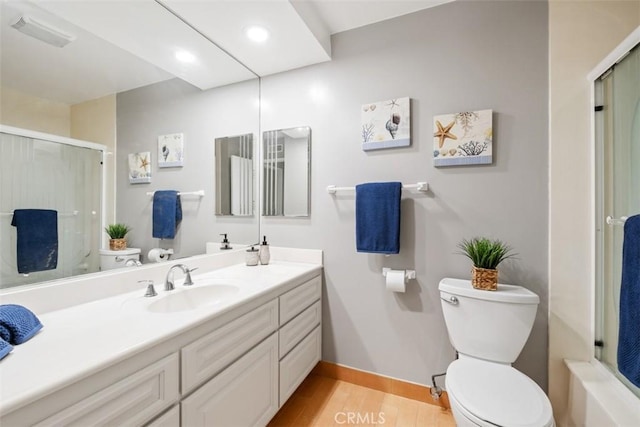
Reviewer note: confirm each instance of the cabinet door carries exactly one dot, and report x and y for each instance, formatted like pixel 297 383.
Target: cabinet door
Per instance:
pixel 296 365
pixel 244 394
pixel 129 402
pixel 169 419
pixel 210 354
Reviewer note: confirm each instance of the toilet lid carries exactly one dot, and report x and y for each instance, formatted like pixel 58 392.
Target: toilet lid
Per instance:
pixel 498 394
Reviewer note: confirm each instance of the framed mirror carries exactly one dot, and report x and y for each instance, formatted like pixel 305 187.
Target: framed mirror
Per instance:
pixel 286 172
pixel 234 178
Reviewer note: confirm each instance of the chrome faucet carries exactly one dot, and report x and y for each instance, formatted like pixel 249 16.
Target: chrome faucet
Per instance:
pixel 169 283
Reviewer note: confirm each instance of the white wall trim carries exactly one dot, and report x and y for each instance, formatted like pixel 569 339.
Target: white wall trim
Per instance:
pixel 618 53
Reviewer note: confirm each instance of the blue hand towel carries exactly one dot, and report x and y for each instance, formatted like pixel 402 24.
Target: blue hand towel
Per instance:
pixel 21 323
pixel 5 348
pixel 37 231
pixel 378 217
pixel 5 334
pixel 167 214
pixel 629 328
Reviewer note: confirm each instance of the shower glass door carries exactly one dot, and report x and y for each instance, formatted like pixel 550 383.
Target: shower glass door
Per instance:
pixel 618 175
pixel 42 174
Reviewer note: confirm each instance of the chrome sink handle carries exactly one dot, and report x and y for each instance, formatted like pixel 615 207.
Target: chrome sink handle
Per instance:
pixel 453 300
pixel 187 280
pixel 151 291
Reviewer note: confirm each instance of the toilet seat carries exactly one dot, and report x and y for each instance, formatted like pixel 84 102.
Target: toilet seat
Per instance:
pixel 498 394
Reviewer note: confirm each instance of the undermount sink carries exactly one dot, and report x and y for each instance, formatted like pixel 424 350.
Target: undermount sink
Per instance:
pixel 192 298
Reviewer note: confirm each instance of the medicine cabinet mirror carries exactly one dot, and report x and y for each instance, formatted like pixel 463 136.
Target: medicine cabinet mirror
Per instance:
pixel 286 172
pixel 234 178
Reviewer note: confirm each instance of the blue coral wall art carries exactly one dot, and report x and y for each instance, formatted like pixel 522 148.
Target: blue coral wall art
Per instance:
pixel 464 138
pixel 386 124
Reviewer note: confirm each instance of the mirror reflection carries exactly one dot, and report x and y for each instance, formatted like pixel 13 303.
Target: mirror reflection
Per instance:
pixel 234 178
pixel 286 172
pixel 121 88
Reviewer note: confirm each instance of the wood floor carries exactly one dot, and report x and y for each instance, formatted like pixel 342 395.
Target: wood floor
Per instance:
pixel 322 401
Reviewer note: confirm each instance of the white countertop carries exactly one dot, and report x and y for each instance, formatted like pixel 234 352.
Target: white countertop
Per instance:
pixel 81 340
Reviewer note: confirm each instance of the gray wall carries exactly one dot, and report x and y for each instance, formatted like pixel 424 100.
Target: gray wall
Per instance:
pixel 172 107
pixel 456 57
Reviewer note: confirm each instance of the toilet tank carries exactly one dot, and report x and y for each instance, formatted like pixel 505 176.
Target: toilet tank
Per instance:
pixel 489 325
pixel 110 260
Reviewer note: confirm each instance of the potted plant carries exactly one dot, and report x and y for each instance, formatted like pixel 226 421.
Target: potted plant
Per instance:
pixel 485 254
pixel 116 233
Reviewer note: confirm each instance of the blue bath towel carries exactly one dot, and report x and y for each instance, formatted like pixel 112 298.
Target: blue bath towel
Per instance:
pixel 21 323
pixel 5 348
pixel 167 214
pixel 378 217
pixel 629 328
pixel 37 231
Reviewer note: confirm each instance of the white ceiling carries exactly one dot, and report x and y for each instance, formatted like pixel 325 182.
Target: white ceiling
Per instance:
pixel 121 45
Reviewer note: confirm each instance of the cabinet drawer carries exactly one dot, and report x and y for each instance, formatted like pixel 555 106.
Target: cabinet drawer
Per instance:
pixel 294 331
pixel 296 300
pixel 244 394
pixel 207 356
pixel 298 363
pixel 131 401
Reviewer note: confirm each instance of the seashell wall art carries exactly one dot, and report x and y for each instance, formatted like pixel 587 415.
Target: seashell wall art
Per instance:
pixel 464 138
pixel 171 150
pixel 386 124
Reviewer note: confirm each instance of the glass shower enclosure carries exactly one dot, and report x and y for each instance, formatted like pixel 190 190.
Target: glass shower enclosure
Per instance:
pixel 40 171
pixel 617 126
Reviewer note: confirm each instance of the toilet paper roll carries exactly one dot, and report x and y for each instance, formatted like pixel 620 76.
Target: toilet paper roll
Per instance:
pixel 158 255
pixel 395 280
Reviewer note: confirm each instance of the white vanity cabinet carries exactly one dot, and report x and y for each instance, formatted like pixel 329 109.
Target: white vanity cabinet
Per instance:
pixel 234 369
pixel 131 401
pixel 251 390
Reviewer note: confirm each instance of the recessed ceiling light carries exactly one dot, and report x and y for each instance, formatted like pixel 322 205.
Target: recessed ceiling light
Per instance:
pixel 257 34
pixel 184 56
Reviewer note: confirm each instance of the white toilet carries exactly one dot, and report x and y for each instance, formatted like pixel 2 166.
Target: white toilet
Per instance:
pixel 489 329
pixel 117 259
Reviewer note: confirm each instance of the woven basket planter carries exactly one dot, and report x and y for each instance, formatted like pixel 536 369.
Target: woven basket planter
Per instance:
pixel 117 244
pixel 482 278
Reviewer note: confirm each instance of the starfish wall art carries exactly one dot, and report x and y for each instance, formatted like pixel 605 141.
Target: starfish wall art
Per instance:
pixel 463 138
pixel 386 124
pixel 140 168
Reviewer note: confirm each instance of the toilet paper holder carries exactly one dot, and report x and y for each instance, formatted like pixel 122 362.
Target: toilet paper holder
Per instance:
pixel 408 274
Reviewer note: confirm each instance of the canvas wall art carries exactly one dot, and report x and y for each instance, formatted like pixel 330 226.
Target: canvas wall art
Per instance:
pixel 386 124
pixel 140 168
pixel 463 138
pixel 171 150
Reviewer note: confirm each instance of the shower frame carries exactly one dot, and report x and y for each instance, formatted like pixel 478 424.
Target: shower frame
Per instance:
pixel 600 220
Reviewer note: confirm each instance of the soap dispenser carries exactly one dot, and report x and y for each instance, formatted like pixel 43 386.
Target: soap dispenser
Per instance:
pixel 265 254
pixel 225 242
